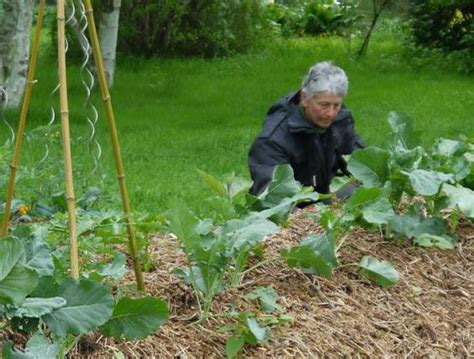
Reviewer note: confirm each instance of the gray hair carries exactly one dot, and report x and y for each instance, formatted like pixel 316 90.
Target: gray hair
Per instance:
pixel 325 77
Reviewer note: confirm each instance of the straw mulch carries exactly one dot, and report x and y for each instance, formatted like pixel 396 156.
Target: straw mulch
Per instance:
pixel 429 313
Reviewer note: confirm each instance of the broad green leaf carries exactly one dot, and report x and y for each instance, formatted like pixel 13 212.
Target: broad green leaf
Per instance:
pixel 432 240
pixel 117 269
pixel 315 254
pixel 16 281
pixel 234 345
pixel 370 166
pixel 363 197
pixel 379 212
pixel 213 183
pixel 236 185
pixel 267 298
pixel 183 223
pixel 47 288
pixel 282 185
pixel 37 307
pixel 458 166
pixel 460 197
pixel 280 212
pixel 246 233
pixel 38 256
pixel 259 333
pixel 403 133
pixel 221 206
pixel 448 148
pixel 89 305
pixel 136 318
pixel 38 347
pixel 407 160
pixel 380 272
pixel 413 225
pixel 427 183
pixel 12 253
pixel 324 244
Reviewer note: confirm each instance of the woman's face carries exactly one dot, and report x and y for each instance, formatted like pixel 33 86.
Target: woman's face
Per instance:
pixel 321 109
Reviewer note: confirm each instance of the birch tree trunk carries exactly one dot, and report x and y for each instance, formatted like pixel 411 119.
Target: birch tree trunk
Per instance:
pixel 8 16
pixel 108 33
pixel 15 30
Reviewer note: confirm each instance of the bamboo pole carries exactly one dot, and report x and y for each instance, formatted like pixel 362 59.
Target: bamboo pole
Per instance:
pixel 104 89
pixel 63 99
pixel 22 122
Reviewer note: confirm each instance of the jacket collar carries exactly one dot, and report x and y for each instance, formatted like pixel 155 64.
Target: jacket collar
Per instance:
pixel 296 120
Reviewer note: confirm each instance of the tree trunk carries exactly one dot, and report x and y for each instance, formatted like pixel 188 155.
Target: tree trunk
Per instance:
pixel 377 10
pixel 108 33
pixel 8 15
pixel 16 24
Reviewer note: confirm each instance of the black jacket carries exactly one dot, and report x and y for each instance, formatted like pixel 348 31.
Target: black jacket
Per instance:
pixel 287 137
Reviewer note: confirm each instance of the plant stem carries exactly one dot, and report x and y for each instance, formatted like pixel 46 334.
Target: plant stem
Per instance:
pixel 344 237
pixel 194 284
pixel 259 264
pixel 348 265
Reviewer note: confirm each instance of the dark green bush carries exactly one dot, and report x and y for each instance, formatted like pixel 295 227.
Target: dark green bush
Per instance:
pixel 442 23
pixel 447 26
pixel 189 28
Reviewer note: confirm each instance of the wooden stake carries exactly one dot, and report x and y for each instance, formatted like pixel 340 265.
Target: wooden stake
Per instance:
pixel 67 141
pixel 22 122
pixel 115 143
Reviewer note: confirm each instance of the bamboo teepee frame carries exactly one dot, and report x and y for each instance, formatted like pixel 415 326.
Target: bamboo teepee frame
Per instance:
pixel 66 136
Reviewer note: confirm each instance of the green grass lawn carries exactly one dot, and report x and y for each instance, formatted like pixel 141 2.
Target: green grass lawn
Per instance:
pixel 175 116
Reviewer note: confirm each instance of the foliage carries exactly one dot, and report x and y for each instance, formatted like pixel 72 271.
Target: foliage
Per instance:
pixel 192 28
pixel 313 17
pixel 35 299
pixel 214 250
pixel 254 328
pixel 445 25
pixel 424 180
pixel 402 173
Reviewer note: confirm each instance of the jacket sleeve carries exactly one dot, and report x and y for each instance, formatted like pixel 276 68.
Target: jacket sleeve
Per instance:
pixel 263 156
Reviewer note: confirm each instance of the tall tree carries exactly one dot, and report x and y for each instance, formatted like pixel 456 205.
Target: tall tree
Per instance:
pixel 378 6
pixel 108 33
pixel 16 18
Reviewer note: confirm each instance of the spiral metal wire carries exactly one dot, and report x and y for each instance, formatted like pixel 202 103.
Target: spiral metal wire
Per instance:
pixel 88 81
pixel 52 111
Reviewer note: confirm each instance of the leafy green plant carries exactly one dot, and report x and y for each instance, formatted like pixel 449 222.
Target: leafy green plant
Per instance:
pixel 276 202
pixel 313 17
pixel 407 171
pixel 317 254
pixel 32 300
pixel 251 327
pixel 212 251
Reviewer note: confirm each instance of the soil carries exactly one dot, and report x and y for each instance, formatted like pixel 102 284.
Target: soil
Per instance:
pixel 429 313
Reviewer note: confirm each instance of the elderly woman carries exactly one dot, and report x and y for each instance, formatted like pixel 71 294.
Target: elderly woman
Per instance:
pixel 310 129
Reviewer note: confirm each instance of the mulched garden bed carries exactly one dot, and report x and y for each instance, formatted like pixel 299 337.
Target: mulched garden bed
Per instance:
pixel 428 313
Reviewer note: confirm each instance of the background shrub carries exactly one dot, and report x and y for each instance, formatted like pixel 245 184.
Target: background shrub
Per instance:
pixel 189 28
pixel 313 17
pixel 446 26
